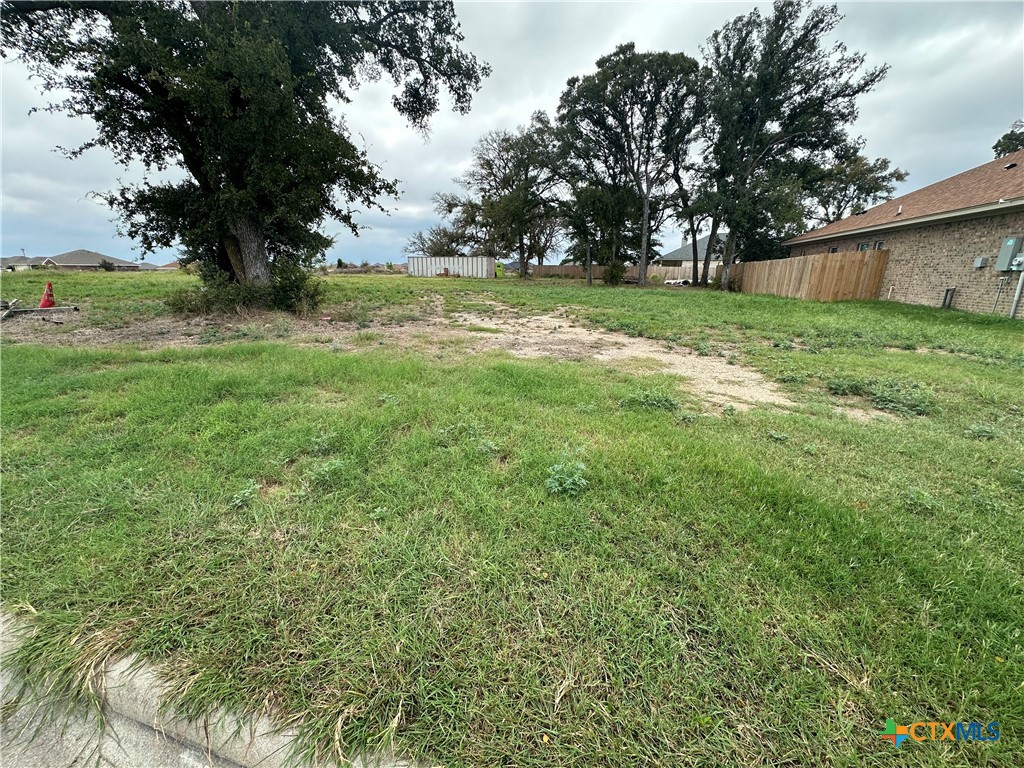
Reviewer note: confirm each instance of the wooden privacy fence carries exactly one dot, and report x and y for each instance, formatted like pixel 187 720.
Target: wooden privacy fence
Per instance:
pixel 819 276
pixel 632 272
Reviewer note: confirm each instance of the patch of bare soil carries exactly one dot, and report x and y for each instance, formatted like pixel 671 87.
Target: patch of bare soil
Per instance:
pixel 711 378
pixel 74 329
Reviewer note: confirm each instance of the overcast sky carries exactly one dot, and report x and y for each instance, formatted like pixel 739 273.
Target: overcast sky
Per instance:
pixel 956 84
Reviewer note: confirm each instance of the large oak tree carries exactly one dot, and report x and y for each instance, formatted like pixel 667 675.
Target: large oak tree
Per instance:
pixel 240 97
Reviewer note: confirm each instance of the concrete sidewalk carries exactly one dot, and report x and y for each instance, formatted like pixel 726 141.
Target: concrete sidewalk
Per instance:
pixel 138 734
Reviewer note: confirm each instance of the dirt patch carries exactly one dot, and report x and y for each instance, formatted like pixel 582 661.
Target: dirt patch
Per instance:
pixel 712 378
pixel 76 330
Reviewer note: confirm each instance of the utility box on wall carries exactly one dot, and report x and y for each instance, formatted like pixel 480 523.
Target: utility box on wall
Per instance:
pixel 1010 250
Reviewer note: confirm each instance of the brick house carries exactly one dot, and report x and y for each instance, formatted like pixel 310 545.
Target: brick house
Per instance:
pixel 935 235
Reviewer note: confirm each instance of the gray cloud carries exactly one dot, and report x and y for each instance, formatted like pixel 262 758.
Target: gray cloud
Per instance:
pixel 955 85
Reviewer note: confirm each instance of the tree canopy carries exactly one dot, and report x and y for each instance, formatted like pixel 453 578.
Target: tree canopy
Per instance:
pixel 509 205
pixel 848 183
pixel 627 120
pixel 238 96
pixel 776 92
pixel 1011 141
pixel 754 140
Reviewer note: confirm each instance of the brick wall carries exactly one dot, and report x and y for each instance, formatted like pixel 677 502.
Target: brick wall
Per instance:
pixel 925 260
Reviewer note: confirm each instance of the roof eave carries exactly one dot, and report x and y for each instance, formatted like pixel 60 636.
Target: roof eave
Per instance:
pixel 962 213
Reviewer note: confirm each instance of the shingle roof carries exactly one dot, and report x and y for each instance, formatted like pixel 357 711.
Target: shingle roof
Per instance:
pixel 82 257
pixel 685 253
pixel 986 185
pixel 10 261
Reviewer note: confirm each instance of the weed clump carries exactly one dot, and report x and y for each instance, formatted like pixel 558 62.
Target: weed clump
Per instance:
pixel 651 399
pixel 566 478
pixel 904 398
pixel 981 432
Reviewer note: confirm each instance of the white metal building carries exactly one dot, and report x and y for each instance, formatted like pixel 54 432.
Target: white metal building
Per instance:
pixel 454 266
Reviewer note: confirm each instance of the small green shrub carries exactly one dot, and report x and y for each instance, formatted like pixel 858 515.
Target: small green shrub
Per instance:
pixel 291 289
pixel 649 398
pixel 367 337
pixel 471 432
pixel 614 273
pixel 793 377
pixel 566 478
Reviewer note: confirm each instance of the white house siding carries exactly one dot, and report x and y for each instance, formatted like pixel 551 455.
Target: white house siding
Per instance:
pixel 463 266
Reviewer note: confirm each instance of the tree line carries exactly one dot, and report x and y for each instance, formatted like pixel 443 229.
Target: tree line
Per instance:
pixel 242 102
pixel 750 143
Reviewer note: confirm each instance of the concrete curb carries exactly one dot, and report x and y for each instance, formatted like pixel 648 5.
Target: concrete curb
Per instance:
pixel 131 691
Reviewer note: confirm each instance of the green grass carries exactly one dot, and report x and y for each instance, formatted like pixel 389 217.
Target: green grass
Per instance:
pixel 397 549
pixel 114 299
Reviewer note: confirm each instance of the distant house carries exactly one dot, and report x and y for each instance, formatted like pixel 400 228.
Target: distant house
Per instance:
pixel 951 242
pixel 88 260
pixel 145 266
pixel 74 260
pixel 172 265
pixel 513 267
pixel 19 263
pixel 683 256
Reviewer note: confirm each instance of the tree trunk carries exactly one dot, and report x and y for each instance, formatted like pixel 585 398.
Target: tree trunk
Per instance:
pixel 645 233
pixel 590 266
pixel 522 258
pixel 694 274
pixel 234 254
pixel 712 243
pixel 246 251
pixel 727 257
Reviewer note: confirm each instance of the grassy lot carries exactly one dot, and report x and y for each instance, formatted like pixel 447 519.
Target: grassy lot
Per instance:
pixel 396 550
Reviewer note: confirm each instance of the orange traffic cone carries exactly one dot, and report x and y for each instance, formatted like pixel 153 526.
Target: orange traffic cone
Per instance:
pixel 47 300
